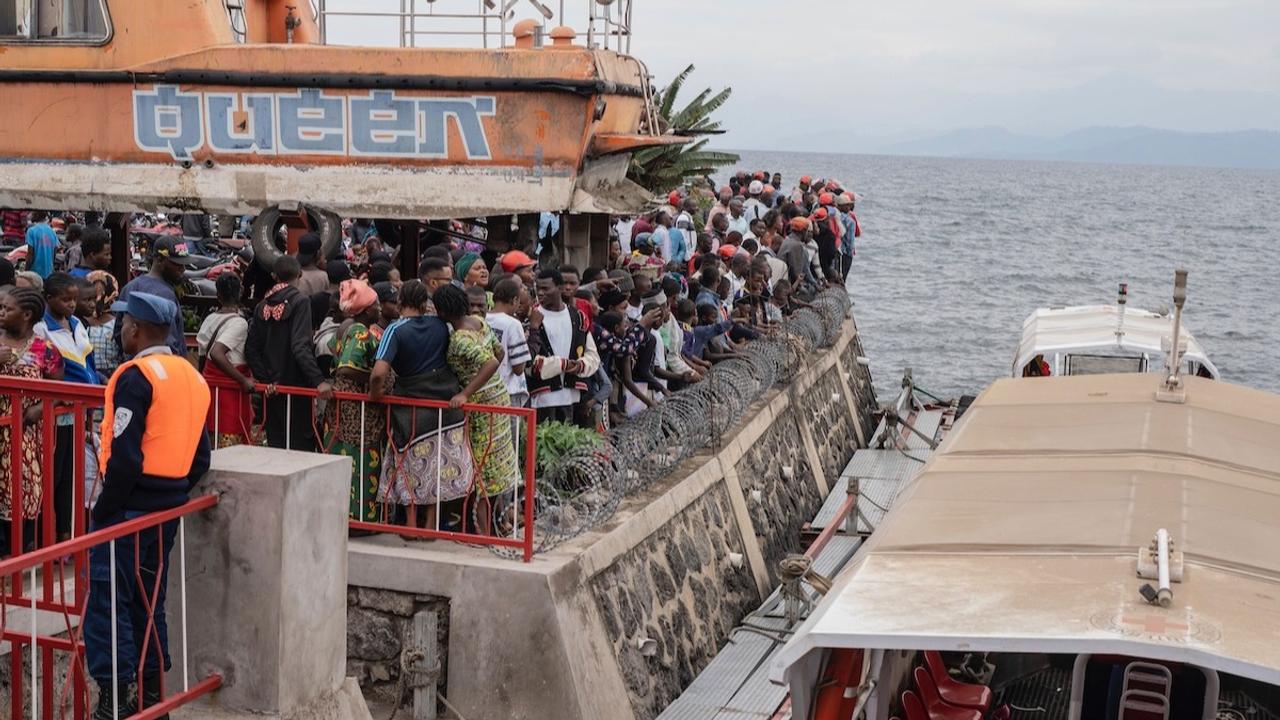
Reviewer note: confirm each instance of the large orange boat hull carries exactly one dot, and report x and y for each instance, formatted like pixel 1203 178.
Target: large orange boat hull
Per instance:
pixel 236 128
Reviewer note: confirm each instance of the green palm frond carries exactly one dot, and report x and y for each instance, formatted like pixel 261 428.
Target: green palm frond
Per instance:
pixel 661 168
pixel 666 97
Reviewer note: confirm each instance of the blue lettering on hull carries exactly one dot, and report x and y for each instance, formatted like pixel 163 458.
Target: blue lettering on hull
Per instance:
pixel 309 122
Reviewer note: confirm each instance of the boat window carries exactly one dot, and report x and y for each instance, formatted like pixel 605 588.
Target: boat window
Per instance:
pixel 1104 365
pixel 70 21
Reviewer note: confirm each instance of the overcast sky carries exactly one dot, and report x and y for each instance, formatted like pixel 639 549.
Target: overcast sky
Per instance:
pixel 856 69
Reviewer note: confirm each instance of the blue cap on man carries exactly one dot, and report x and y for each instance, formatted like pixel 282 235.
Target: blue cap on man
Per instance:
pixel 147 308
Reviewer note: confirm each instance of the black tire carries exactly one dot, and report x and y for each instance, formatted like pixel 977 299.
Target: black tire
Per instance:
pixel 267 225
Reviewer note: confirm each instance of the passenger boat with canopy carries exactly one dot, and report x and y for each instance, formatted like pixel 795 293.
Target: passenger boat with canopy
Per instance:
pixel 1094 339
pixel 1088 547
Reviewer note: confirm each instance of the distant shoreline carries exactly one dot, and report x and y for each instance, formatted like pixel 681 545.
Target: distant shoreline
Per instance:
pixel 986 158
pixel 1137 145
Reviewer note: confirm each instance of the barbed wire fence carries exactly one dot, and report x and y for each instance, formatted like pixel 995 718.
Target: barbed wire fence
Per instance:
pixel 583 489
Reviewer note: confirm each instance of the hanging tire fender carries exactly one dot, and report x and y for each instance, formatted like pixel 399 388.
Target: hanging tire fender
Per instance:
pixel 262 235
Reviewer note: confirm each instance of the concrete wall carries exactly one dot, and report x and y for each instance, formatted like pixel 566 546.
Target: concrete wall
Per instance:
pixel 679 564
pixel 267 586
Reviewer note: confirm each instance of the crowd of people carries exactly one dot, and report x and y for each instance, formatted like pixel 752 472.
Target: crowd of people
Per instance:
pixel 685 286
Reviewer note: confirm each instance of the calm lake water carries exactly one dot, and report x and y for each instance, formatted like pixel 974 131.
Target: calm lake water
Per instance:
pixel 956 253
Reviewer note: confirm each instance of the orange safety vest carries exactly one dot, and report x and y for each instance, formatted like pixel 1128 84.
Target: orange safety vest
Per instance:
pixel 175 422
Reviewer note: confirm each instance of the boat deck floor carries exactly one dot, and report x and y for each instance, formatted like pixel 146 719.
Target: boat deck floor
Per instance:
pixel 1046 695
pixel 735 685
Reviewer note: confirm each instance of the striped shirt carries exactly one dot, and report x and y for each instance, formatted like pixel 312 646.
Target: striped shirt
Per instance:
pixel 516 348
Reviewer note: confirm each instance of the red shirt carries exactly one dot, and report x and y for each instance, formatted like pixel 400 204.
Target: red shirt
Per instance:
pixel 14 224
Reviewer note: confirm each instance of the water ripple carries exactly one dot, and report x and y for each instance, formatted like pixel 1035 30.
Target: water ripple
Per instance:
pixel 958 252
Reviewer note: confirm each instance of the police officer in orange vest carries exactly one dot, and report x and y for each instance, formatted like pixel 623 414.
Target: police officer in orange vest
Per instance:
pixel 154 450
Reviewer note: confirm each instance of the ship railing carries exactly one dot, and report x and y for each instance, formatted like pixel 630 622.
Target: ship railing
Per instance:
pixel 466 23
pixel 42 616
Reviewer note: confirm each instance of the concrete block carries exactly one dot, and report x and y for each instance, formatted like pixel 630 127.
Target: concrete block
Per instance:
pixel 267 581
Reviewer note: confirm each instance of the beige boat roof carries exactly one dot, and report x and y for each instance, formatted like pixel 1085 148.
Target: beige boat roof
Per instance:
pixel 1090 329
pixel 1021 533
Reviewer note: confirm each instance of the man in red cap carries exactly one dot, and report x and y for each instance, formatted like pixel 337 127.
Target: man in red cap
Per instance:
pixel 769 197
pixel 672 205
pixel 520 264
pixel 824 234
pixel 805 182
pixel 794 254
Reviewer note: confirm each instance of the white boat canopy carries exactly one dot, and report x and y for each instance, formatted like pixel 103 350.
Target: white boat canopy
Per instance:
pixel 1021 534
pixel 1094 335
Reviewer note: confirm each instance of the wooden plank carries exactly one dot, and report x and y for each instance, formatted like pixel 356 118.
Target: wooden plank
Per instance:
pixel 424 687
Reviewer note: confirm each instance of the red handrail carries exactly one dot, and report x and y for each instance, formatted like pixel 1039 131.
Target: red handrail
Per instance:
pixel 18 563
pixel 79 395
pixel 530 416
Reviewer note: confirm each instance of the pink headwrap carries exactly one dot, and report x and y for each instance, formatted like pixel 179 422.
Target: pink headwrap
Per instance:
pixel 355 296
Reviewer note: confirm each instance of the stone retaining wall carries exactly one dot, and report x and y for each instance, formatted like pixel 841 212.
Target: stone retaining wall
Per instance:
pixel 379 629
pixel 678 565
pixel 680 589
pixel 780 488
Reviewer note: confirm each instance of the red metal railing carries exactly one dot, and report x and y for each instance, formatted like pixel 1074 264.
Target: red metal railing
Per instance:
pixel 75 403
pixel 47 567
pixel 325 425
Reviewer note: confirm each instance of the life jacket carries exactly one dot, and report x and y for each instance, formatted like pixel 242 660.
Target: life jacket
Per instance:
pixel 175 421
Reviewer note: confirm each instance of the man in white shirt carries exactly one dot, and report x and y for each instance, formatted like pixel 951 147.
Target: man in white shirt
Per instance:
pixel 564 352
pixel 661 237
pixel 739 266
pixel 684 220
pixel 754 208
pixel 737 220
pixel 777 268
pixel 507 296
pixel 623 227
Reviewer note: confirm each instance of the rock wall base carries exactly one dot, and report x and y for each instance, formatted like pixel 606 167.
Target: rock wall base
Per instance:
pixel 616 623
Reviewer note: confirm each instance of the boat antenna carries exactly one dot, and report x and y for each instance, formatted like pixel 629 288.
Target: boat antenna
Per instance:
pixel 1122 300
pixel 1172 391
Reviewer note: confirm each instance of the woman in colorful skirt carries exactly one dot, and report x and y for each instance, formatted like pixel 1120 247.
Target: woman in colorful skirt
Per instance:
pixel 428 460
pixel 349 431
pixel 474 356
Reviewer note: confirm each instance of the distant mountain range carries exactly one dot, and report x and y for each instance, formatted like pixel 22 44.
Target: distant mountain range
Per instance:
pixel 1125 145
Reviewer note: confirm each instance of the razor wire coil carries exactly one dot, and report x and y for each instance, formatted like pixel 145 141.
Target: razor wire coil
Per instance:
pixel 584 488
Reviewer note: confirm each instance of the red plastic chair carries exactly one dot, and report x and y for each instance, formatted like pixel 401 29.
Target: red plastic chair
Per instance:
pixel 938 708
pixel 953 691
pixel 912 707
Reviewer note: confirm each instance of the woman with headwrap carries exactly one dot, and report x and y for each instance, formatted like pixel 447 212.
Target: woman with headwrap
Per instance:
pixel 349 431
pixel 471 271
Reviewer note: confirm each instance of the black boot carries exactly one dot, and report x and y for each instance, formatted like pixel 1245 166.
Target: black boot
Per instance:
pixel 151 693
pixel 107 699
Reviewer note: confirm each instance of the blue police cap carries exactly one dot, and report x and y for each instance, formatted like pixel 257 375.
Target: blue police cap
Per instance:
pixel 147 308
